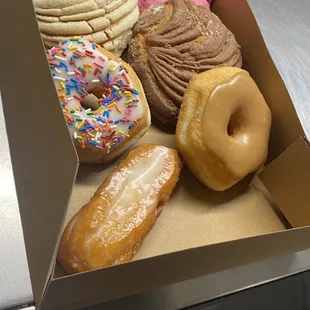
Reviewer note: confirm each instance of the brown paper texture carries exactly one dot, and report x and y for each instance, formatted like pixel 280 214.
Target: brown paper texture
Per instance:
pixel 291 190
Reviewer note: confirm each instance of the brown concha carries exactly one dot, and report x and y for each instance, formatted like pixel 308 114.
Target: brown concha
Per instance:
pixel 172 42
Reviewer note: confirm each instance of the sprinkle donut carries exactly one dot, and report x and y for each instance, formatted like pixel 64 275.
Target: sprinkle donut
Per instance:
pixel 101 97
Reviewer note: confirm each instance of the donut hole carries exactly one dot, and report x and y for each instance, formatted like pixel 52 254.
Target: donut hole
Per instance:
pixel 91 100
pixel 235 123
pixel 97 91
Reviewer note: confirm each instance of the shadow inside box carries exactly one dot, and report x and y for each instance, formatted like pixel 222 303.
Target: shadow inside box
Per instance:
pixel 198 191
pixel 87 170
pixel 165 127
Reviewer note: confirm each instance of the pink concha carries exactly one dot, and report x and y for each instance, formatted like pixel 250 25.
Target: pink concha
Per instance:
pixel 144 4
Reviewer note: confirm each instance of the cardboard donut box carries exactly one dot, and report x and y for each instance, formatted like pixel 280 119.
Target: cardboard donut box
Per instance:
pixel 199 232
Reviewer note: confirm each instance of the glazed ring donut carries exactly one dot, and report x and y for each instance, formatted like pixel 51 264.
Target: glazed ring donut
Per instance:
pixel 224 126
pixel 102 99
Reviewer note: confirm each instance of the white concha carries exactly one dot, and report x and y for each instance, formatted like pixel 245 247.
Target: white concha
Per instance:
pixel 102 21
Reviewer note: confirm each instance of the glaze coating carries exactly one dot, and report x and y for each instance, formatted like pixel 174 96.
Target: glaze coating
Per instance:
pixel 110 228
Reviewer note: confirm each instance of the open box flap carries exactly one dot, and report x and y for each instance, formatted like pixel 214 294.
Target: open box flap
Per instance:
pixel 43 157
pixel 287 180
pixel 93 287
pixel 286 127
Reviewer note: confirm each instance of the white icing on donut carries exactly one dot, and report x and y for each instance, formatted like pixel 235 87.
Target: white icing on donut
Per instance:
pixel 132 193
pixel 78 68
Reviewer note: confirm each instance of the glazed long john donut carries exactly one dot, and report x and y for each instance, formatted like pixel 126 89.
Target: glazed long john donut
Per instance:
pixel 110 228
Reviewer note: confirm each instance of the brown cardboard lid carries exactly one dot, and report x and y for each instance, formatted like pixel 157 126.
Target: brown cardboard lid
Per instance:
pixel 286 127
pixel 40 145
pixel 287 180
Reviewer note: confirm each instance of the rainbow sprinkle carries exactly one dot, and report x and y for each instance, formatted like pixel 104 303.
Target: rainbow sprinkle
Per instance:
pixel 77 69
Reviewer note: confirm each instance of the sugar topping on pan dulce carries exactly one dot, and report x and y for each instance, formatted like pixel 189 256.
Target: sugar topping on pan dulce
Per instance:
pixel 145 4
pixel 81 72
pixel 172 42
